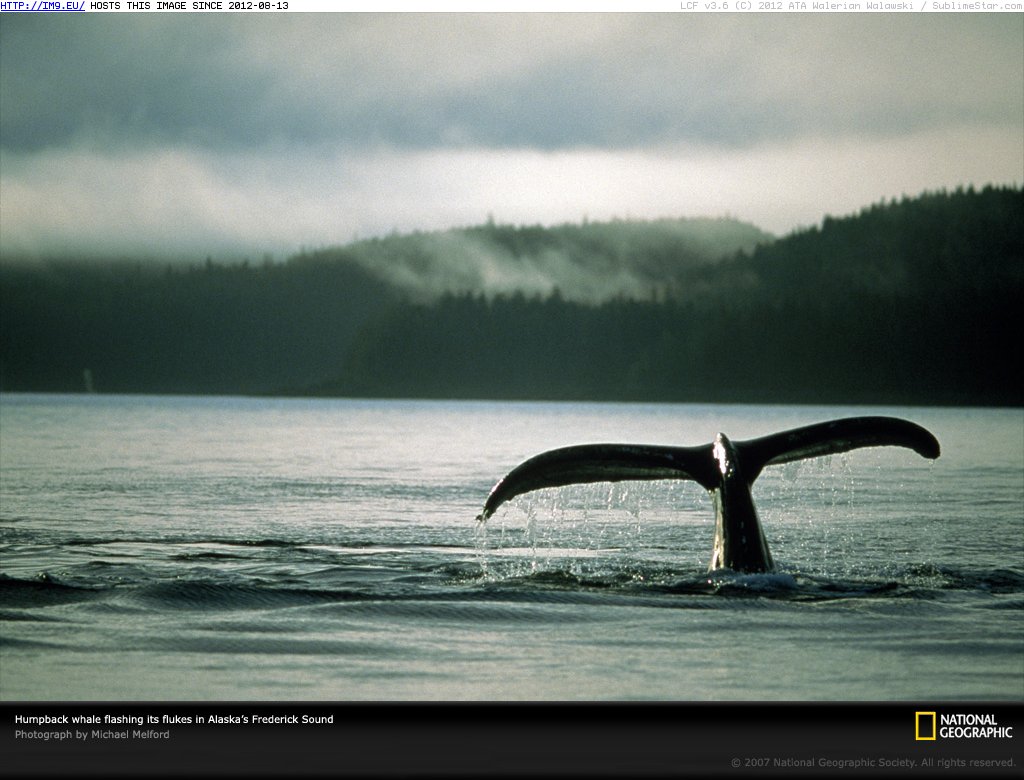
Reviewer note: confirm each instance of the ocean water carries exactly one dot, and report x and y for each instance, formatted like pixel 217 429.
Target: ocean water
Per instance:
pixel 183 548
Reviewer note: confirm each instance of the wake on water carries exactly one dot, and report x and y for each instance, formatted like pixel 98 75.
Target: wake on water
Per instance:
pixel 642 545
pixel 286 582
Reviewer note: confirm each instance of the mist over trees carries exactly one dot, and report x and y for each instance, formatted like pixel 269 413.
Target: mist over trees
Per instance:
pixel 590 263
pixel 912 301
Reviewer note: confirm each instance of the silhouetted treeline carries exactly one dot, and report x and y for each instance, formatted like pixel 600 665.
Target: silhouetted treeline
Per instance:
pixel 211 329
pixel 915 301
pixel 282 328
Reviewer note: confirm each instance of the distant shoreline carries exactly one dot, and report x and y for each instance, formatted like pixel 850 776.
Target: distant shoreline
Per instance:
pixel 292 396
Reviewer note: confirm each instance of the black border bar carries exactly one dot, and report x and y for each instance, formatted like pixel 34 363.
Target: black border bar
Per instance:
pixel 316 739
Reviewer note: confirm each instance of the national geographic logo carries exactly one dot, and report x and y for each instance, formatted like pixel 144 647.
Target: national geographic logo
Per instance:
pixel 932 726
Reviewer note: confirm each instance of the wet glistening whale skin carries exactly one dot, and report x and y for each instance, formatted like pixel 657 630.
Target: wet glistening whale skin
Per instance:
pixel 724 468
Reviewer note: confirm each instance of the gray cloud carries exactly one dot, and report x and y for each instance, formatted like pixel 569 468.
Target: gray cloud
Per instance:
pixel 241 133
pixel 498 80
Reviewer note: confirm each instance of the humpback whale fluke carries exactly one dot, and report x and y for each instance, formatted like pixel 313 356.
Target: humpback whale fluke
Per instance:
pixel 724 468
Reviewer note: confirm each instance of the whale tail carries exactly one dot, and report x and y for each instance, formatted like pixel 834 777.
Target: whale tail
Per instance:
pixel 726 469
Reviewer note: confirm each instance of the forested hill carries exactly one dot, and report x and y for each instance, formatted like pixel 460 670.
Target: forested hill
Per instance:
pixel 270 328
pixel 590 263
pixel 915 301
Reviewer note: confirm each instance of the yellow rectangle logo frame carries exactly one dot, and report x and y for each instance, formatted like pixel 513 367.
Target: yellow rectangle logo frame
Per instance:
pixel 917 726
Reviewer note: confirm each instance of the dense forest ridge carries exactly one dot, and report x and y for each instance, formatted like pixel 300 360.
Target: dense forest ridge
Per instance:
pixel 911 301
pixel 590 262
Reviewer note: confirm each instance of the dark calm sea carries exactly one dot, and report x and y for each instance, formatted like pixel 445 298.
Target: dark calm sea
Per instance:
pixel 183 548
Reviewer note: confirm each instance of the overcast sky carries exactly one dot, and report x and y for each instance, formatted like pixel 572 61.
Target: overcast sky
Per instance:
pixel 243 134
